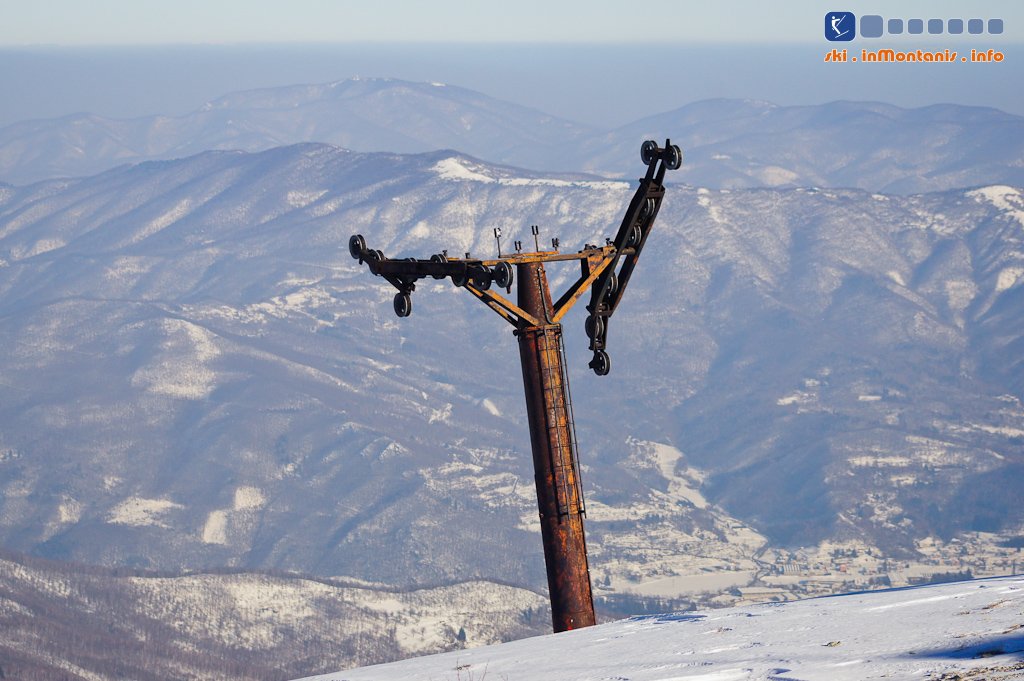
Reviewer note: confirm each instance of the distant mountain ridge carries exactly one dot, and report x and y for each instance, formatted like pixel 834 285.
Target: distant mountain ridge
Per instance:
pixel 360 114
pixel 865 145
pixel 728 143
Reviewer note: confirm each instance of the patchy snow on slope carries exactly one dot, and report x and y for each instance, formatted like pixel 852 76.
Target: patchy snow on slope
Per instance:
pixel 299 302
pixel 949 631
pixel 1006 199
pixel 442 415
pixel 458 169
pixel 663 457
pixel 999 430
pixel 667 553
pixel 215 531
pixel 249 498
pixel 38 248
pixel 69 511
pixel 181 369
pixel 166 219
pixel 774 176
pixel 490 407
pixel 796 398
pixel 301 199
pixel 452 169
pixel 960 293
pixel 714 212
pixel 140 512
pixel 1008 278
pixel 128 269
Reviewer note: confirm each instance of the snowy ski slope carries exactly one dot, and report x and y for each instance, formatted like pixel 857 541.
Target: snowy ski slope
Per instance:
pixel 961 630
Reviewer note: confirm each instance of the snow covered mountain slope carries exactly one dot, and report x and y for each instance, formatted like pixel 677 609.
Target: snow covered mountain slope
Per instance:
pixel 196 374
pixel 963 630
pixel 728 143
pixel 62 621
pixel 213 381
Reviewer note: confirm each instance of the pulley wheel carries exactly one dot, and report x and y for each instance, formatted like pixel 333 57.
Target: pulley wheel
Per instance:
pixel 601 364
pixel 482 278
pixel 635 237
pixel 403 304
pixel 646 211
pixel 356 246
pixel 503 274
pixel 613 286
pixel 648 152
pixel 675 157
pixel 441 258
pixel 594 326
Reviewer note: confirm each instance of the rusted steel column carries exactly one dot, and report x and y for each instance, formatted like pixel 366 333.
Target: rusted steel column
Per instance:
pixel 559 496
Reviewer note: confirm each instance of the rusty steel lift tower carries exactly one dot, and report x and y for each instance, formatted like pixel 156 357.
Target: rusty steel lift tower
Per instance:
pixel 537 325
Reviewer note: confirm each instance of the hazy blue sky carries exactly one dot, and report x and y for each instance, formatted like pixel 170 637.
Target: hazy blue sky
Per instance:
pixel 121 22
pixel 591 61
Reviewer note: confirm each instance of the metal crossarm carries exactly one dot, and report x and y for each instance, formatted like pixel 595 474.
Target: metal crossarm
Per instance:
pixel 606 270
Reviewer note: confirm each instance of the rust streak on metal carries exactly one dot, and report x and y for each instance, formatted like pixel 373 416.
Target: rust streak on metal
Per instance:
pixel 559 497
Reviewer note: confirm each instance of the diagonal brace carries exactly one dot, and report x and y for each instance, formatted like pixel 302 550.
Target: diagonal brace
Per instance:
pixel 504 307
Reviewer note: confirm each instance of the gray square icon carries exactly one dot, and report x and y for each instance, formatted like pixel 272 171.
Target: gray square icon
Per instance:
pixel 955 26
pixel 871 26
pixel 915 26
pixel 975 26
pixel 895 26
pixel 935 26
pixel 995 26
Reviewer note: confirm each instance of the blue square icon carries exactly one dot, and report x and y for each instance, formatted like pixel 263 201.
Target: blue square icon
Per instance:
pixel 870 26
pixel 840 26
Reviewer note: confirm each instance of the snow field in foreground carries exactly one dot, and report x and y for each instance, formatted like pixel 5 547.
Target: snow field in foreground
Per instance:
pixel 973 628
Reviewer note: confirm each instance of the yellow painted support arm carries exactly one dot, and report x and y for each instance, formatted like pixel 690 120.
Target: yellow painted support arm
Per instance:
pixel 503 306
pixel 570 297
